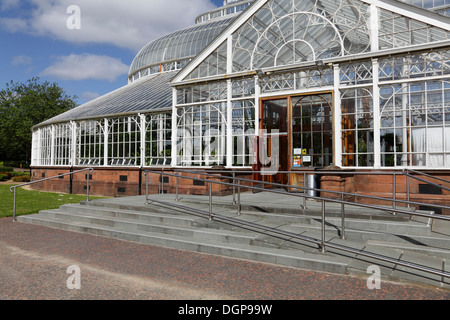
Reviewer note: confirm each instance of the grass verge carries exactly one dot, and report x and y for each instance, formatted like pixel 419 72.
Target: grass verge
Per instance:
pixel 32 201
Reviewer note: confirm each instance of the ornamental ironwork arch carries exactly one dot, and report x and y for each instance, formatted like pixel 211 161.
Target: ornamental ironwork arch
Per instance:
pixel 297 37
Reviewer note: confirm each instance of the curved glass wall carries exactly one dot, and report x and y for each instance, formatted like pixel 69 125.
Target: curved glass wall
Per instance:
pixel 173 51
pixel 230 7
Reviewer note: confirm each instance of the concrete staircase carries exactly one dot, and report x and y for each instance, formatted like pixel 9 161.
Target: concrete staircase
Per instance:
pixel 377 231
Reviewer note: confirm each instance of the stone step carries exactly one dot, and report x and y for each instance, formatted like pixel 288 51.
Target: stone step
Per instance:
pixel 399 226
pixel 290 258
pixel 394 271
pixel 401 231
pixel 395 236
pixel 313 208
pixel 136 225
pixel 145 216
pixel 181 228
pixel 426 250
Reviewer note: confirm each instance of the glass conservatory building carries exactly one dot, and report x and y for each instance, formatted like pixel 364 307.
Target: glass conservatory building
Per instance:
pixel 285 85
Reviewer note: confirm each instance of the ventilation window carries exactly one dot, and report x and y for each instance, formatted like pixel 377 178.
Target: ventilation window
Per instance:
pixel 429 189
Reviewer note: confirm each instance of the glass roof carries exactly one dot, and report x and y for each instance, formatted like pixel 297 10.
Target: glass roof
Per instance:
pixel 179 45
pixel 287 32
pixel 152 93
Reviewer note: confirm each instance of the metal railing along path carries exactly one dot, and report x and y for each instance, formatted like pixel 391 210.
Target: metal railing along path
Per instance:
pixel 406 172
pixel 13 188
pixel 341 194
pixel 322 243
pixel 394 175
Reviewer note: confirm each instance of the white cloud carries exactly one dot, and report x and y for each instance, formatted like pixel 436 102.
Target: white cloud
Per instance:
pixel 86 66
pixel 127 24
pixel 13 24
pixel 21 60
pixel 9 4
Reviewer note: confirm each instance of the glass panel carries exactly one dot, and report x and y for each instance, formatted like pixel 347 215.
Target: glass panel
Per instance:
pixel 276 131
pixel 398 31
pixel 158 139
pixel 312 131
pixel 286 32
pixel 201 139
pixel 413 126
pixel 90 143
pixel 124 141
pixel 243 132
pixel 357 127
pixel 215 64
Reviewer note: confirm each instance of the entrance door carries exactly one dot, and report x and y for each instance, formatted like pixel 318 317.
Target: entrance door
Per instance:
pixel 312 131
pixel 275 123
pixel 304 128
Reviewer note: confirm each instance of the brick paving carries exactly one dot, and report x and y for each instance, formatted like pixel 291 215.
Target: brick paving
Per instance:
pixel 34 262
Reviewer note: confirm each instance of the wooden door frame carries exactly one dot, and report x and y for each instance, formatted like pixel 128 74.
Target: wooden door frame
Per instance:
pixel 289 119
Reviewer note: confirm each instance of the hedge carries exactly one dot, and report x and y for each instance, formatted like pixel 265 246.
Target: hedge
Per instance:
pixel 21 178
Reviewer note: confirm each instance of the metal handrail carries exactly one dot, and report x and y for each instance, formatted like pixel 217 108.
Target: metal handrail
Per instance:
pixel 210 215
pixel 408 175
pixel 427 175
pixel 13 188
pixel 394 200
pixel 405 172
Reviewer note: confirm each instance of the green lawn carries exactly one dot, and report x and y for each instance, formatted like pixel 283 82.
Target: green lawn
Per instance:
pixel 28 202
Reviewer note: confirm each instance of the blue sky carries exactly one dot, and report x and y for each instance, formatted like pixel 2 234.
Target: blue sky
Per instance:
pixel 93 59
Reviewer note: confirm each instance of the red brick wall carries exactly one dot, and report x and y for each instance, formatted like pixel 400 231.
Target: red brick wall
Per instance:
pixel 381 185
pixel 116 182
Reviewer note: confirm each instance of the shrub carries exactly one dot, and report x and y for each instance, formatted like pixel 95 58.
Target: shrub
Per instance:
pixel 20 173
pixel 3 177
pixel 21 178
pixel 6 169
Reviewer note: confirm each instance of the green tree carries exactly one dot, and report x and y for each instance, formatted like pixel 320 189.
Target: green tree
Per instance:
pixel 22 106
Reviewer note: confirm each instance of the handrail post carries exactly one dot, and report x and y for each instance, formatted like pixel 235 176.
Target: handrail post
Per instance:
pixel 14 206
pixel 176 185
pixel 394 202
pixel 234 187
pixel 304 186
pixel 146 187
pixel 162 181
pixel 239 199
pixel 342 217
pixel 210 201
pixel 407 189
pixel 322 249
pixel 87 185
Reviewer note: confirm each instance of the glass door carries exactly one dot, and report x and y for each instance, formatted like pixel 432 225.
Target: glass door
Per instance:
pixel 312 131
pixel 275 124
pixel 302 126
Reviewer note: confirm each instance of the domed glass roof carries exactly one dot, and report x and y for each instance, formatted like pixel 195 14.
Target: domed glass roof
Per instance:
pixel 180 45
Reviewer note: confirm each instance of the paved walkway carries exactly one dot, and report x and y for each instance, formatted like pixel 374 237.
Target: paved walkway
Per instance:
pixel 34 262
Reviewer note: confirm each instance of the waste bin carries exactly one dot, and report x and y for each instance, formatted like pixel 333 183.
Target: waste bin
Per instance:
pixel 311 183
